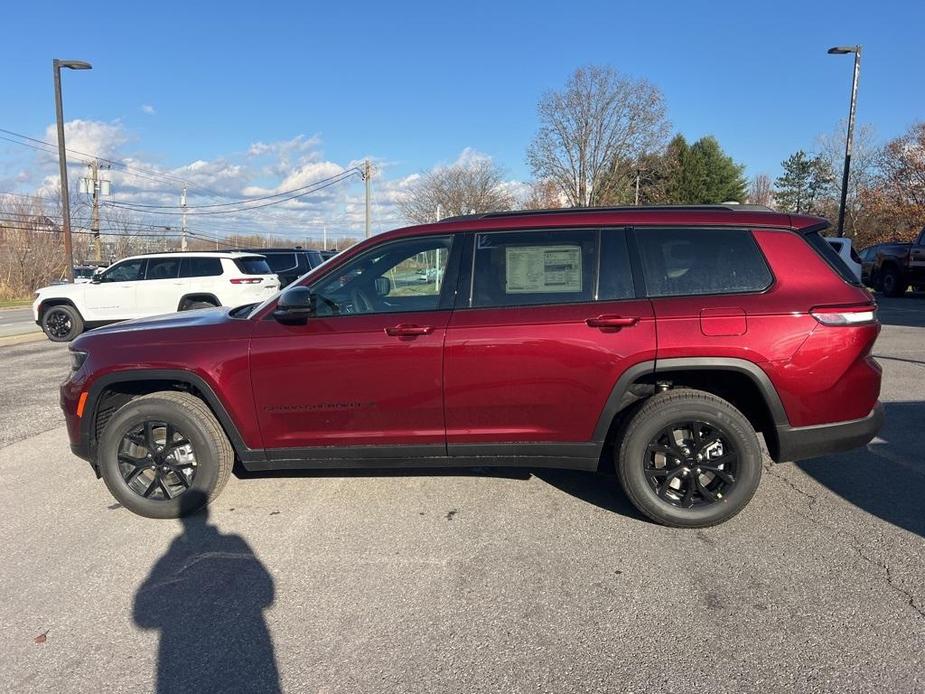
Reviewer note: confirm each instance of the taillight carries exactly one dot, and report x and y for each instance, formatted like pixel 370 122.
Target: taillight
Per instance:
pixel 246 280
pixel 836 315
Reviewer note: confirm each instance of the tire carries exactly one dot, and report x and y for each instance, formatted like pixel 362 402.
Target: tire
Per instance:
pixel 892 282
pixel 651 488
pixel 62 323
pixel 192 305
pixel 189 420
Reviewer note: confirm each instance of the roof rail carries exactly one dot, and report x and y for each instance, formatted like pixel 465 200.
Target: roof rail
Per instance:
pixel 728 207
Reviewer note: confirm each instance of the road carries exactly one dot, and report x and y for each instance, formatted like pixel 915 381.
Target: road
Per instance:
pixel 17 321
pixel 465 582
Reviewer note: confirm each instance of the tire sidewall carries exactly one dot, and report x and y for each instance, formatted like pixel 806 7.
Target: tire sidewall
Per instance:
pixel 135 413
pixel 71 314
pixel 642 430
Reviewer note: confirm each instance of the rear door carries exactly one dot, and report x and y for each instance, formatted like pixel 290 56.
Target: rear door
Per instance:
pixel 917 260
pixel 544 326
pixel 162 288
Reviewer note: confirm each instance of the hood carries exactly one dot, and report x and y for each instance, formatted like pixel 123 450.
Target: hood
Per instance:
pixel 200 318
pixel 65 289
pixel 211 324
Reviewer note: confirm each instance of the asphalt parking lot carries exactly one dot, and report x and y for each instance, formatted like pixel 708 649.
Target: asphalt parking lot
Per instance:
pixel 478 582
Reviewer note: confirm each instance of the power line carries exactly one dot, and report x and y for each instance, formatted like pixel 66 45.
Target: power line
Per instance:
pixel 341 177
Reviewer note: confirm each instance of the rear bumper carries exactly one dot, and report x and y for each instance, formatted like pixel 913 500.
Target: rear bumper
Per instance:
pixel 799 443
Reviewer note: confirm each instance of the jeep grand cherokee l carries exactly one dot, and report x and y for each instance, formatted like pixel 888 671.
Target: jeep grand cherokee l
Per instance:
pixel 148 285
pixel 661 339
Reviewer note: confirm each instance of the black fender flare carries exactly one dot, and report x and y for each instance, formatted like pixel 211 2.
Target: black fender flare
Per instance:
pixel 88 422
pixel 621 395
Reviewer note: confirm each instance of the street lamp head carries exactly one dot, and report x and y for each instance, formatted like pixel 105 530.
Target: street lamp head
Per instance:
pixel 73 64
pixel 841 50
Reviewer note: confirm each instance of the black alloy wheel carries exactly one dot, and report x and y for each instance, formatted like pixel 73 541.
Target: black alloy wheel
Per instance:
pixel 691 463
pixel 157 461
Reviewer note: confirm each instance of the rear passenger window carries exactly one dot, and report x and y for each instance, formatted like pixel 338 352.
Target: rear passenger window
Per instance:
pixel 201 267
pixel 684 262
pixel 534 267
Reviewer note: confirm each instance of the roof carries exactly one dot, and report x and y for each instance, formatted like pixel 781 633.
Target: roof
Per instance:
pixel 197 254
pixel 653 216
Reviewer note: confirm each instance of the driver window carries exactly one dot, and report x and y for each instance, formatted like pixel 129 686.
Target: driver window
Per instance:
pixel 128 271
pixel 400 276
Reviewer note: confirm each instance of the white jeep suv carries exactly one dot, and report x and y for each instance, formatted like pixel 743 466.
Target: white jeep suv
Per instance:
pixel 149 285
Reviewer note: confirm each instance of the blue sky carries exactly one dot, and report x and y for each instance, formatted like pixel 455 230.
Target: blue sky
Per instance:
pixel 415 84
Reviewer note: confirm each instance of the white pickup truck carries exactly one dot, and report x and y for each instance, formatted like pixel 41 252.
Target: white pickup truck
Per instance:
pixel 149 285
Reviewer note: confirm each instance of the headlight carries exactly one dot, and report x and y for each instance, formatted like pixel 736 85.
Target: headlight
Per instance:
pixel 77 359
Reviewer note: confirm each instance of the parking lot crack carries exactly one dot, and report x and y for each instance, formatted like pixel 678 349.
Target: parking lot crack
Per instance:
pixel 888 573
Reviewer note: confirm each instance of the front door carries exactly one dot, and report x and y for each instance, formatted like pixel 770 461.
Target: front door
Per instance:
pixel 115 296
pixel 533 355
pixel 366 370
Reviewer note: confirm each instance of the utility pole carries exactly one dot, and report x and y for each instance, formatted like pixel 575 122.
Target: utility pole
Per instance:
pixel 367 174
pixel 183 220
pixel 324 236
pixel 842 50
pixel 94 186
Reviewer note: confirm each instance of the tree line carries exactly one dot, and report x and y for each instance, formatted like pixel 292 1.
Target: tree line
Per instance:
pixel 604 139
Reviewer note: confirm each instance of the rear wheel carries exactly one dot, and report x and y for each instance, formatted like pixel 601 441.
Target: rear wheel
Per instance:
pixel 892 282
pixel 164 455
pixel 689 459
pixel 62 323
pixel 193 304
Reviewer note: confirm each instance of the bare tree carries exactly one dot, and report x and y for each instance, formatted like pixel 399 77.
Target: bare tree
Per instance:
pixel 600 118
pixel 864 159
pixel 475 184
pixel 761 190
pixel 544 195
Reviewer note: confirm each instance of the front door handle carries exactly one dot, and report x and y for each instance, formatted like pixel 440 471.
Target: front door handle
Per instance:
pixel 611 322
pixel 403 330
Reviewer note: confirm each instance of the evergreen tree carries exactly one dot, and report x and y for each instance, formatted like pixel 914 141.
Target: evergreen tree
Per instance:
pixel 709 176
pixel 804 184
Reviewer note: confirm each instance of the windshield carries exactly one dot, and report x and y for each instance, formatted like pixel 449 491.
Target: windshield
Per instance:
pixel 253 265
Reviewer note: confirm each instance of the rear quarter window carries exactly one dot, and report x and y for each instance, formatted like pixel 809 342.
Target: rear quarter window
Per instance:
pixel 200 267
pixel 687 262
pixel 253 265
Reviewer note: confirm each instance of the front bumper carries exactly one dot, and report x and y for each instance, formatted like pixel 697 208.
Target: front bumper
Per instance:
pixel 799 443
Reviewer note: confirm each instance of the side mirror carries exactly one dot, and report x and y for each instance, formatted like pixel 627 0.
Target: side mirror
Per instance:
pixel 382 286
pixel 96 278
pixel 294 306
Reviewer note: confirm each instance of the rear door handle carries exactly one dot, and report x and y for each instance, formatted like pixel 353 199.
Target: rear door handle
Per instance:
pixel 611 322
pixel 403 330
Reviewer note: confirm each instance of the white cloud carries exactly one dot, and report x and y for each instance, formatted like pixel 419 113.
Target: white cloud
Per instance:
pixel 148 109
pixel 265 168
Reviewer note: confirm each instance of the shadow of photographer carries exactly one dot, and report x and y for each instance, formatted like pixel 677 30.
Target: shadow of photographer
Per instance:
pixel 206 595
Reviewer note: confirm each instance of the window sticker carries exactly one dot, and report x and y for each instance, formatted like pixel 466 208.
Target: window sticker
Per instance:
pixel 542 269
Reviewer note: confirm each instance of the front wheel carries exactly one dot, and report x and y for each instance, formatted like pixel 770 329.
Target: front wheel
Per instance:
pixel 689 459
pixel 62 323
pixel 164 455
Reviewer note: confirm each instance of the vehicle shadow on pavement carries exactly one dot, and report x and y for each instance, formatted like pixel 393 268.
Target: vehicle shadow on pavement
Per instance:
pixel 206 596
pixel 887 479
pixel 601 490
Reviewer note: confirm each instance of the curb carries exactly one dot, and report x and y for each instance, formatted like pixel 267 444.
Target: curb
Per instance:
pixel 21 339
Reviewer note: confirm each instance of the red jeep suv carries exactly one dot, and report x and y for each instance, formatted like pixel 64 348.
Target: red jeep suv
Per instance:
pixel 664 339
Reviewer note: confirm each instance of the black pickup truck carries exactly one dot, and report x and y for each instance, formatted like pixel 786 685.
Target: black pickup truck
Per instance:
pixel 899 265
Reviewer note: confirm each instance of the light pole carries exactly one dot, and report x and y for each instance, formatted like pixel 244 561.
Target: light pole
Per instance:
pixel 842 50
pixel 62 158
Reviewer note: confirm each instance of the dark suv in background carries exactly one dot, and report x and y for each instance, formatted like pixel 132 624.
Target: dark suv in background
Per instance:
pixel 291 263
pixel 658 340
